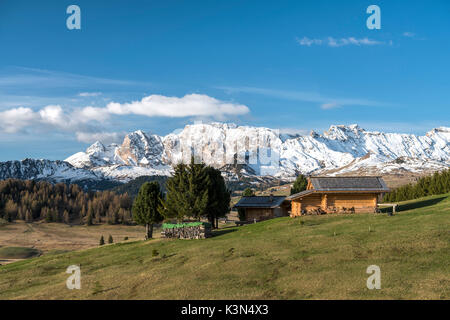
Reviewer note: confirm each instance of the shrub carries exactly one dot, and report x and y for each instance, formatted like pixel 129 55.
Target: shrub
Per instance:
pixel 248 193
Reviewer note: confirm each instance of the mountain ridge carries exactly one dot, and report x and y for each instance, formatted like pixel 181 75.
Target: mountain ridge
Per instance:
pixel 256 151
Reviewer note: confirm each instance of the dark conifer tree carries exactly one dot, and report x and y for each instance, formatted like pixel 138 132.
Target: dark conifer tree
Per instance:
pixel 218 196
pixel 300 184
pixel 145 207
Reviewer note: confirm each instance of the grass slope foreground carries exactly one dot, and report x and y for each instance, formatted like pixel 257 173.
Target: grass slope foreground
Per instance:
pixel 313 257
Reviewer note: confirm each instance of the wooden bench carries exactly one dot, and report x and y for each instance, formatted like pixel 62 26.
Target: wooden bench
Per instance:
pixel 393 205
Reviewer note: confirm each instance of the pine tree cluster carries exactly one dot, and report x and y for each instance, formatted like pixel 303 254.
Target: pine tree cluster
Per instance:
pixel 196 191
pixel 438 183
pixel 31 201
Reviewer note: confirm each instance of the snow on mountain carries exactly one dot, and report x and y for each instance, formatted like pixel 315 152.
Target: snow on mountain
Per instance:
pixel 96 155
pixel 139 154
pixel 126 173
pixel 218 143
pixel 245 152
pixel 55 171
pixel 265 151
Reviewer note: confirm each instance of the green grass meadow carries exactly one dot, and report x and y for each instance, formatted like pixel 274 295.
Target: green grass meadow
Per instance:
pixel 311 257
pixel 17 253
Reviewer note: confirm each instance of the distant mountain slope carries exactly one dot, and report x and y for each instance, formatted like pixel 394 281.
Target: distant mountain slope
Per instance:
pixel 55 172
pixel 349 148
pixel 241 152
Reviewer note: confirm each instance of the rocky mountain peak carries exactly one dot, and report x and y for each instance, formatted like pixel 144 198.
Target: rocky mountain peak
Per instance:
pixel 341 147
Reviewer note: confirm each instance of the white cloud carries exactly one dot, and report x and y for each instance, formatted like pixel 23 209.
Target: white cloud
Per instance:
pixel 330 105
pixel 21 76
pixel 188 106
pixel 333 42
pixel 305 41
pixel 89 94
pixel 54 115
pixel 325 102
pixel 104 137
pixel 89 113
pixel 15 120
pixel 26 119
pixel 87 122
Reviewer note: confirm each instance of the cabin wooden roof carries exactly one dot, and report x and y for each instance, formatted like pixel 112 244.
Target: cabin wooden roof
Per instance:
pixel 260 202
pixel 343 184
pixel 348 183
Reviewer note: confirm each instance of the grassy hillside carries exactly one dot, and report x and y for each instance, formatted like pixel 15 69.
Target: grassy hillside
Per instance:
pixel 304 258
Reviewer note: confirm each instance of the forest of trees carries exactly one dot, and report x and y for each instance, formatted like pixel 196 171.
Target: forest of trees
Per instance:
pixel 438 183
pixel 194 191
pixel 132 187
pixel 31 201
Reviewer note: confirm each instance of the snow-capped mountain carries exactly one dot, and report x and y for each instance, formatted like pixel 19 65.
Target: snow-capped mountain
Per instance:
pixel 341 149
pixel 247 152
pixel 55 171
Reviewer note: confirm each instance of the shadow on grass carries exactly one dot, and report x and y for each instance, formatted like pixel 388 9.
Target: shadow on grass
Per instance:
pixel 420 204
pixel 413 205
pixel 220 232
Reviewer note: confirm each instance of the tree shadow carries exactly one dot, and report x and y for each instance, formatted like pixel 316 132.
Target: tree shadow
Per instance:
pixel 413 205
pixel 220 232
pixel 385 209
pixel 419 204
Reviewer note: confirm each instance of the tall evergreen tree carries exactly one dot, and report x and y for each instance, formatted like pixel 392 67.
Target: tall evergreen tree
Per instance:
pixel 173 205
pixel 145 207
pixel 187 192
pixel 300 184
pixel 218 196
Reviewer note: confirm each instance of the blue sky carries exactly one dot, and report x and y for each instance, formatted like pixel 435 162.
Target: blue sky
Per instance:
pixel 158 65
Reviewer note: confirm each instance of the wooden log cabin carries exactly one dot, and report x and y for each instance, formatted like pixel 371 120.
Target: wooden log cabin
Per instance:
pixel 337 195
pixel 263 207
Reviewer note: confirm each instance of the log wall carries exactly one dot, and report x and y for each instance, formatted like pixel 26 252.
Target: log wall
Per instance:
pixel 258 214
pixel 334 203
